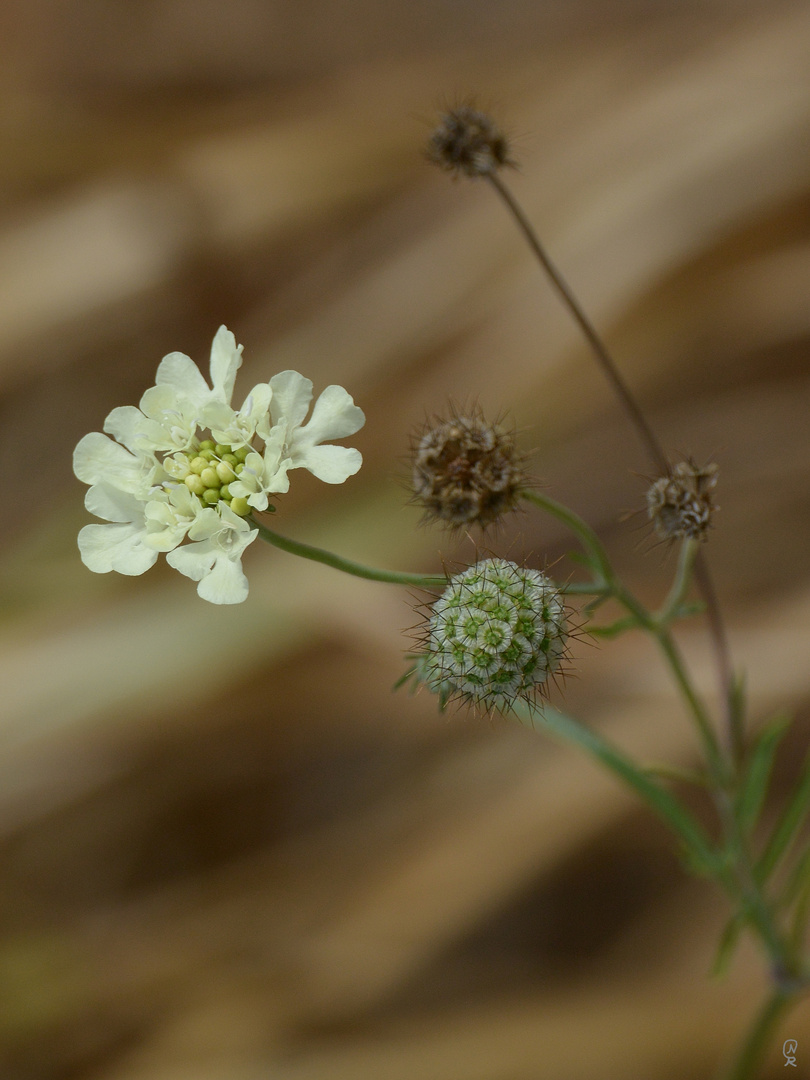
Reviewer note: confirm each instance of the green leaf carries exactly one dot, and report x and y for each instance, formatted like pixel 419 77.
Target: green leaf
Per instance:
pixel 581 558
pixel 687 610
pixel 697 847
pixel 728 943
pixel 758 772
pixel 787 825
pixel 680 775
pixel 612 630
pixel 592 605
pixel 799 890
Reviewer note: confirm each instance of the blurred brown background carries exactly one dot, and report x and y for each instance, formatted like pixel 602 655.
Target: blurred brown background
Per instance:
pixel 227 850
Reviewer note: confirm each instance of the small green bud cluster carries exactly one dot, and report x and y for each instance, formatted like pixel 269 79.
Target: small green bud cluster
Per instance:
pixel 497 634
pixel 209 470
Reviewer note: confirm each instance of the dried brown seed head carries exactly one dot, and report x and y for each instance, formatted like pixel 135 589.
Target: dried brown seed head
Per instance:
pixel 466 471
pixel 468 143
pixel 682 503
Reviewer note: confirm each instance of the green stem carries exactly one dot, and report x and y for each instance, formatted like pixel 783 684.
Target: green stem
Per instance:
pixel 649 622
pixel 680 586
pixel 395 577
pixel 747 1064
pixel 306 551
pixel 587 537
pixel 658 798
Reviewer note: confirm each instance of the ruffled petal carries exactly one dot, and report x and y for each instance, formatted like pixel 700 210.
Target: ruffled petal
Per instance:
pixel 112 504
pixel 181 373
pixel 117 547
pixel 98 458
pixel 214 560
pixel 334 416
pixel 292 394
pixel 134 430
pixel 193 560
pixel 332 464
pixel 225 584
pixel 226 358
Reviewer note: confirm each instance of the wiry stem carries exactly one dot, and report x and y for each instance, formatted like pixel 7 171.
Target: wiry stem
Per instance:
pixel 748 1062
pixel 606 361
pixel 703 579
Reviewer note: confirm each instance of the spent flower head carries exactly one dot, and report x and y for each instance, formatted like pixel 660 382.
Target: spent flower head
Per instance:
pixel 495 636
pixel 468 142
pixel 681 504
pixel 186 465
pixel 466 470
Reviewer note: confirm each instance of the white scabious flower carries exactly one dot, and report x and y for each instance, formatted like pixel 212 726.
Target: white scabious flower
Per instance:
pixel 496 634
pixel 158 480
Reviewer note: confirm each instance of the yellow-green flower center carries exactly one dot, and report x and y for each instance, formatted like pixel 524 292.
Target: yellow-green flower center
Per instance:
pixel 208 471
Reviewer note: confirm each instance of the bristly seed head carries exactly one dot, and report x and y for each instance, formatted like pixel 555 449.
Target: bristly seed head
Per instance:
pixel 682 504
pixel 495 636
pixel 466 471
pixel 468 143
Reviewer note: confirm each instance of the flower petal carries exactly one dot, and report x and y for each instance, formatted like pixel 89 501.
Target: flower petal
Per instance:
pixel 113 504
pixel 181 373
pixel 193 560
pixel 98 458
pixel 226 583
pixel 332 464
pixel 226 358
pixel 292 394
pixel 138 433
pixel 116 547
pixel 334 416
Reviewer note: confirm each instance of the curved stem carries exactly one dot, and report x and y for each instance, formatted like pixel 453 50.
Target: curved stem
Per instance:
pixel 595 549
pixel 746 1065
pixel 581 529
pixel 680 586
pixel 394 577
pixel 306 551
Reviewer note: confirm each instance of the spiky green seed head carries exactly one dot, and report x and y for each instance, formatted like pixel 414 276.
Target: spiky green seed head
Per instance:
pixel 496 635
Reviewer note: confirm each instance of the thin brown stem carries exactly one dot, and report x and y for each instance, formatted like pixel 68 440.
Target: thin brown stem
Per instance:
pixel 606 361
pixel 725 671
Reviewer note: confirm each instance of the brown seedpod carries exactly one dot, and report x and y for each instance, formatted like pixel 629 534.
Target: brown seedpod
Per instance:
pixel 466 470
pixel 681 504
pixel 468 142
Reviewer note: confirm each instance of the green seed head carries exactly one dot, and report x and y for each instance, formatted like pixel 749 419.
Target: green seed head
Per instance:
pixel 495 636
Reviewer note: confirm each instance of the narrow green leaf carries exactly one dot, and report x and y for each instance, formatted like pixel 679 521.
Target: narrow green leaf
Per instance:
pixel 728 943
pixel 798 879
pixel 580 557
pixel 680 775
pixel 801 895
pixel 592 605
pixel 698 848
pixel 611 630
pixel 758 772
pixel 787 825
pixel 687 610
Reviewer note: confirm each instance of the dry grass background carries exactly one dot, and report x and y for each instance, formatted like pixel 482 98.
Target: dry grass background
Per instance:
pixel 228 851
